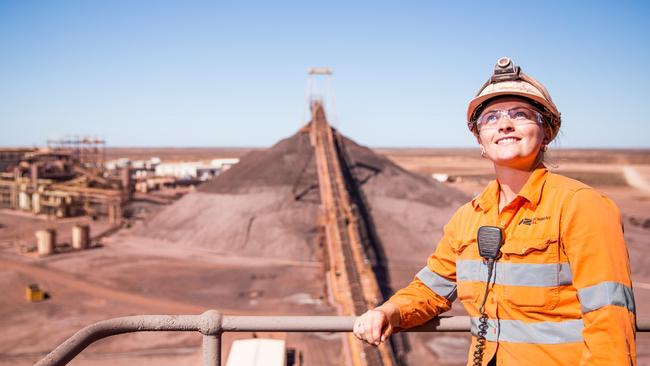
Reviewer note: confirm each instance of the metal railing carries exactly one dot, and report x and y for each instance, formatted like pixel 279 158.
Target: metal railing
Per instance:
pixel 212 324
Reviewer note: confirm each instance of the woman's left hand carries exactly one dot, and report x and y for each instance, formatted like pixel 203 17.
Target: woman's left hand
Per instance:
pixel 376 325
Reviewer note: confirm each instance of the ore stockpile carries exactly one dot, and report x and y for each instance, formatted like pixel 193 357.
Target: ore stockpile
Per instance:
pixel 271 205
pixel 267 205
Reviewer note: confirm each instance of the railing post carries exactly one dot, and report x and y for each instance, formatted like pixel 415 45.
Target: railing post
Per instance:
pixel 212 350
pixel 211 328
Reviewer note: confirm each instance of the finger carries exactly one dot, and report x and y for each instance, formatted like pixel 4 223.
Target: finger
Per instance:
pixel 376 329
pixel 379 322
pixel 388 330
pixel 358 329
pixel 368 332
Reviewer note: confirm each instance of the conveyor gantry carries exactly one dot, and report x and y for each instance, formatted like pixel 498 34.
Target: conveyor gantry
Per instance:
pixel 351 278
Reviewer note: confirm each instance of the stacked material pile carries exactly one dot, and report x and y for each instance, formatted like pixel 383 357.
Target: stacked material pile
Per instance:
pixel 251 209
pixel 267 206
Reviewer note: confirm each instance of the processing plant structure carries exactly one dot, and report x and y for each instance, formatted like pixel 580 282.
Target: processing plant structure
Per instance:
pixel 65 179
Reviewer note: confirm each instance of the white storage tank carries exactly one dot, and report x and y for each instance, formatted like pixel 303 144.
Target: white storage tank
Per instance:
pixel 36 203
pixel 24 201
pixel 80 236
pixel 46 242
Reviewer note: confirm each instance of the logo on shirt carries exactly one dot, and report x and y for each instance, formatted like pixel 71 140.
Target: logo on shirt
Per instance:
pixel 534 220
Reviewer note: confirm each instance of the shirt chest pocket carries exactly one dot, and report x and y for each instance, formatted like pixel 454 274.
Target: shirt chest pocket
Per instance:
pixel 531 274
pixel 467 271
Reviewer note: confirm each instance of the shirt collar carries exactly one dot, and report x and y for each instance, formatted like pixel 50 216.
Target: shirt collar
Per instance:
pixel 531 191
pixel 488 197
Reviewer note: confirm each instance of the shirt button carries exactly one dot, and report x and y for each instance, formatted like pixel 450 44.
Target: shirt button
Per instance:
pixel 503 223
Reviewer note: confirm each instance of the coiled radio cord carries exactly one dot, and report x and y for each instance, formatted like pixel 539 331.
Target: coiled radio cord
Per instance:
pixel 483 320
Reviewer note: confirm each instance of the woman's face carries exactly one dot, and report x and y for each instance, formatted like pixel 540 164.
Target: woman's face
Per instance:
pixel 511 133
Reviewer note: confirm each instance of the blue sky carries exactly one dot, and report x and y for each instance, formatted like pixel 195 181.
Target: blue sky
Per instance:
pixel 211 73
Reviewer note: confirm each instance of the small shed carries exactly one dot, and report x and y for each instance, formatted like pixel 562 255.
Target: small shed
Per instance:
pixel 257 352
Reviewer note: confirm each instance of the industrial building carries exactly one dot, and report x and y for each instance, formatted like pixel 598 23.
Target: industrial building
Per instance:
pixel 66 178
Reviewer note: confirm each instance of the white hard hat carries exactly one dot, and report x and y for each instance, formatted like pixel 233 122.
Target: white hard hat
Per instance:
pixel 508 79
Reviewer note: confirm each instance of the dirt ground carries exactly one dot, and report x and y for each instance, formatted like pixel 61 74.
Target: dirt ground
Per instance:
pixel 127 274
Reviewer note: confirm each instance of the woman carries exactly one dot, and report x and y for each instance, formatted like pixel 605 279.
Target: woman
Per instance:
pixel 559 291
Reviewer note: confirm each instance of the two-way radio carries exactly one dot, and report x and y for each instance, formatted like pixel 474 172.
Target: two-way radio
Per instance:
pixel 489 240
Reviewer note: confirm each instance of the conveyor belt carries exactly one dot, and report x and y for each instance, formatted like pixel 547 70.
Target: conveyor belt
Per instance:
pixel 352 279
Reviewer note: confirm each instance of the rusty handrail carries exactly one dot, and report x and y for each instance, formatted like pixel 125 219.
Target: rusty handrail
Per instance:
pixel 212 324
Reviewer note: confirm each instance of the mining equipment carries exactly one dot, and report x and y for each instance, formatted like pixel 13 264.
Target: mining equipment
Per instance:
pixel 65 179
pixel 352 278
pixel 34 294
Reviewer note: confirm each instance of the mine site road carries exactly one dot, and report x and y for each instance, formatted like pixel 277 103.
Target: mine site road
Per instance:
pixel 635 179
pixel 205 256
pixel 42 274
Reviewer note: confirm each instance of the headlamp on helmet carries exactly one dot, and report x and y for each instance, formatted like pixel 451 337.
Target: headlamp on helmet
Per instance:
pixel 508 80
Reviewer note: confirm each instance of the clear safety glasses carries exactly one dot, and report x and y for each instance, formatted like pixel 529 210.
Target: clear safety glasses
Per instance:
pixel 518 116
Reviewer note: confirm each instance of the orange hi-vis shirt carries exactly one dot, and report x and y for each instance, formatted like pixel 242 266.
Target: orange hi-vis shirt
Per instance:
pixel 561 292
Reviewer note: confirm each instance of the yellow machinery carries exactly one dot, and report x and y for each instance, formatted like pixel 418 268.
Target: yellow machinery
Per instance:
pixel 34 293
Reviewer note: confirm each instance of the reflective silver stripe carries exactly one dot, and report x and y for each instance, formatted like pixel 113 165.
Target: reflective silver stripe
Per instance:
pixel 516 331
pixel 606 293
pixel 516 274
pixel 438 284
